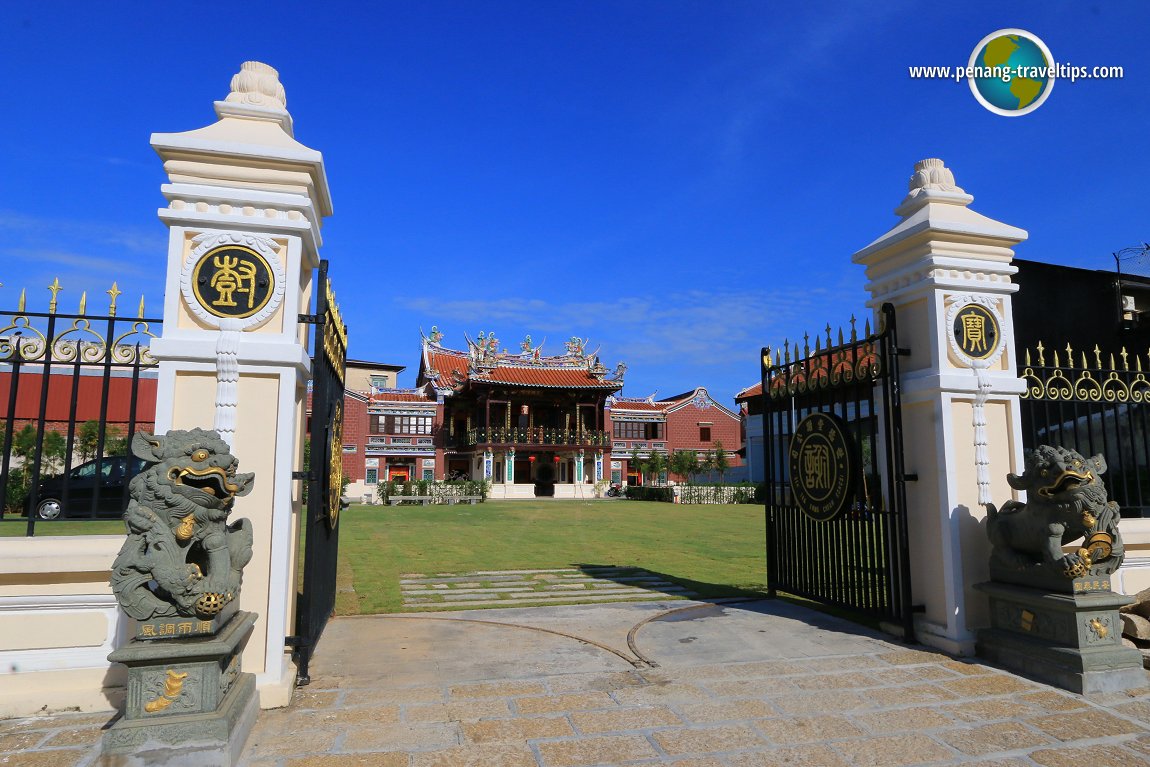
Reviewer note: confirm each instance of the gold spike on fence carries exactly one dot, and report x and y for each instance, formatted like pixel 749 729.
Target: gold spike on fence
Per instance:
pixel 26 335
pixel 1082 380
pixel 113 294
pixel 56 288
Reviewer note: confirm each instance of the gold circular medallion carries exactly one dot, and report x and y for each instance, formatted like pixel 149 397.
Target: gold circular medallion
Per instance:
pixel 232 281
pixel 822 466
pixel 976 331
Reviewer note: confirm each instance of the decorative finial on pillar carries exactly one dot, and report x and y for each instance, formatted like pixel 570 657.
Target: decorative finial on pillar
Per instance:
pixel 257 94
pixel 258 84
pixel 931 182
pixel 932 174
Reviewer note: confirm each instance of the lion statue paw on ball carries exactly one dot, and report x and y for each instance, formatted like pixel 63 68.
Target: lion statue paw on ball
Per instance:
pixel 181 558
pixel 1066 501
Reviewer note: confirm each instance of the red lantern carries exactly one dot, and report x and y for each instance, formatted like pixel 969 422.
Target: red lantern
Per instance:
pixel 556 459
pixel 531 459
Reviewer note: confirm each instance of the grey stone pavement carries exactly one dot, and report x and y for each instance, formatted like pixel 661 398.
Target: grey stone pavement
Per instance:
pixel 557 585
pixel 731 685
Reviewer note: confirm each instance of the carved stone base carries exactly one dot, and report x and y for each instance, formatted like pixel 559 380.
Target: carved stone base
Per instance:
pixel 187 703
pixel 1072 641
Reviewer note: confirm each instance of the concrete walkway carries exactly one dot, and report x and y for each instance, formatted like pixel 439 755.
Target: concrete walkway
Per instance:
pixel 697 685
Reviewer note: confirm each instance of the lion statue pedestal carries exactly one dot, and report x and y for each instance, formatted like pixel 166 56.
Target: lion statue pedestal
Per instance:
pixel 179 574
pixel 1054 616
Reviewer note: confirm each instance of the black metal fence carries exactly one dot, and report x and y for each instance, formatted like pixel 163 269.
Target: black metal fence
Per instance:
pixel 1093 402
pixel 73 389
pixel 324 476
pixel 858 558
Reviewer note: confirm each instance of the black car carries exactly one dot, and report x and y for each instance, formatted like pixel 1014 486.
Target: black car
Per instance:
pixel 95 488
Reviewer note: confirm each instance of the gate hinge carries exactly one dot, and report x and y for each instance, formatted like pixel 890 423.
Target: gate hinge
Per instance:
pixel 301 475
pixel 910 477
pixel 292 642
pixel 310 319
pixel 902 351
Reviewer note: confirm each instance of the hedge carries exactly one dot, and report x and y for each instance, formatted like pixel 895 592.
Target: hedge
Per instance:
pixel 641 493
pixel 440 492
pixel 743 493
pixel 717 493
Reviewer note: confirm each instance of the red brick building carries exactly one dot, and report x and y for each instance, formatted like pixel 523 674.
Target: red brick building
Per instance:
pixel 691 421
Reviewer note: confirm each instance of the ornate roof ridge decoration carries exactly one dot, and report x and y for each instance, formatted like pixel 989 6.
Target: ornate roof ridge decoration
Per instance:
pixel 398 390
pixel 484 357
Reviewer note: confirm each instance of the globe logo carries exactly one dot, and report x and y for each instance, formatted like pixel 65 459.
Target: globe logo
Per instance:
pixel 1011 72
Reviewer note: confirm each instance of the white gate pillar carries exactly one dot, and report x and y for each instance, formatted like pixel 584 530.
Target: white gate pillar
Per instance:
pixel 947 271
pixel 245 205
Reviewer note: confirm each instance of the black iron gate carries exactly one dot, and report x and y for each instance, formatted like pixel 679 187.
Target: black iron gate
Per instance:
pixel 835 495
pixel 324 475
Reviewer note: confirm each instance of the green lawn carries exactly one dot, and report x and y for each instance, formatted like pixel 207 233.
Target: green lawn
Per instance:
pixel 715 551
pixel 13 526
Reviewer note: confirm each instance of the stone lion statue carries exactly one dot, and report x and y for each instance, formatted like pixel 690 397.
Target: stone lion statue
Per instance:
pixel 1066 501
pixel 181 558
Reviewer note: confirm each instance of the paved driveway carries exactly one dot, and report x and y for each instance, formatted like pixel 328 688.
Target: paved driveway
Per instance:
pixel 673 683
pixel 654 683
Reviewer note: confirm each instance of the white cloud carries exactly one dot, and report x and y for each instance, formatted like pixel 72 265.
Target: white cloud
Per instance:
pixel 78 263
pixel 77 234
pixel 695 328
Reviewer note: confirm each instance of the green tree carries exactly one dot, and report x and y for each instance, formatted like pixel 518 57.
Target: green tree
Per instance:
pixel 720 461
pixel 656 464
pixel 115 442
pixel 633 461
pixel 707 463
pixel 87 439
pixel 15 492
pixel 51 452
pixel 684 463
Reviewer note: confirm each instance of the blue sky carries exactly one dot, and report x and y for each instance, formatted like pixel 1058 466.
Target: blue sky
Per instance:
pixel 681 182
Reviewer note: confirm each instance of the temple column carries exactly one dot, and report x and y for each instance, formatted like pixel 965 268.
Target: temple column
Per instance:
pixel 509 473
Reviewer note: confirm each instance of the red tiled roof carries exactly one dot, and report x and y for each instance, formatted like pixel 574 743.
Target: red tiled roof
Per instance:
pixel 644 405
pixel 394 395
pixel 454 368
pixel 554 377
pixel 749 392
pixel 445 364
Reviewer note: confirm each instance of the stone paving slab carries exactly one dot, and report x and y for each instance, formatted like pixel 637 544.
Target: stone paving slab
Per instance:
pixel 486 588
pixel 756 685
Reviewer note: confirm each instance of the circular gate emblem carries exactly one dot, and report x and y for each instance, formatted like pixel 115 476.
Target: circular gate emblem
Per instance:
pixel 232 281
pixel 335 466
pixel 975 332
pixel 822 466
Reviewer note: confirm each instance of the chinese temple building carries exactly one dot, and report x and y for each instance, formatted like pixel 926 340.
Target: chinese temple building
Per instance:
pixel 529 423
